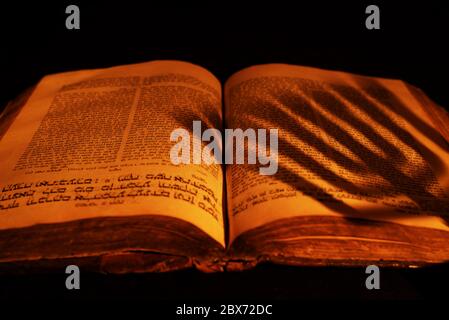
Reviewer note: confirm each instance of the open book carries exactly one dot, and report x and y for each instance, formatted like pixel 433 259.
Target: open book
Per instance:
pixel 86 176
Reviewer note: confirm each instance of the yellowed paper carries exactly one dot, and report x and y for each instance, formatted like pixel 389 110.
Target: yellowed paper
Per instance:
pixel 348 146
pixel 96 143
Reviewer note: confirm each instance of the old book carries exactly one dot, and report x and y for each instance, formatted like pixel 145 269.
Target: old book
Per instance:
pixel 86 176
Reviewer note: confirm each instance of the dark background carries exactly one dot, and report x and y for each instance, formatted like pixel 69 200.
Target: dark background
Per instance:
pixel 225 37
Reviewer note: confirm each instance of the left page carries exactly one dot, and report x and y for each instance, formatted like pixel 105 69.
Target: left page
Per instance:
pixel 96 143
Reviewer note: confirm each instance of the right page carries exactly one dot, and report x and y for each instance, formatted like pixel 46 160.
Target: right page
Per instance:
pixel 351 149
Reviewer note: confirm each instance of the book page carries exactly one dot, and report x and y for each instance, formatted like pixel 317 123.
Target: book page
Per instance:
pixel 349 146
pixel 96 143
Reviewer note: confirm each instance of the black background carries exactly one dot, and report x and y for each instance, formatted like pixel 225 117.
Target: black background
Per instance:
pixel 225 37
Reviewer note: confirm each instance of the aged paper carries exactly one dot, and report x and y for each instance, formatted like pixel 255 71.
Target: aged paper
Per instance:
pixel 348 146
pixel 96 143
